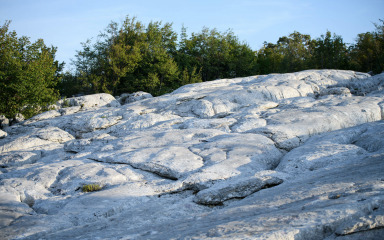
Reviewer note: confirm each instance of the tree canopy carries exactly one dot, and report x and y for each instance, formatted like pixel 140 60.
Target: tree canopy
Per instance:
pixel 134 57
pixel 28 74
pixel 130 58
pixel 299 52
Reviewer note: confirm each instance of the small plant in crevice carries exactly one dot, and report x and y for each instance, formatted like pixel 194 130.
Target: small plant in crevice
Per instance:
pixel 65 103
pixel 91 188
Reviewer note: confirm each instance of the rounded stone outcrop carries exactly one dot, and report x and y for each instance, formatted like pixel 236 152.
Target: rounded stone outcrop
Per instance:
pixel 91 101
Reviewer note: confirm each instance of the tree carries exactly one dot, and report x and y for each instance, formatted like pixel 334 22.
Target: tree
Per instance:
pixel 330 52
pixel 269 58
pixel 367 54
pixel 217 55
pixel 297 51
pixel 28 74
pixel 69 85
pixel 130 58
pixel 125 51
pixel 158 73
pixel 289 54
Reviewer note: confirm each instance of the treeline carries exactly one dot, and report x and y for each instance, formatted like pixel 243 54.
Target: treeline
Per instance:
pixel 151 58
pixel 135 57
pixel 299 52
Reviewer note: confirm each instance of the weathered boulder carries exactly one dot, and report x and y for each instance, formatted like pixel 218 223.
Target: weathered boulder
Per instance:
pixel 69 110
pixel 91 101
pixel 17 158
pixel 133 97
pixel 11 209
pixel 364 223
pixel 54 134
pixel 18 118
pixel 236 188
pixel 43 116
pixel 3 134
pixel 4 122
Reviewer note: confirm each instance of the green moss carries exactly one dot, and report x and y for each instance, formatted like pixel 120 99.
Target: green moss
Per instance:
pixel 91 188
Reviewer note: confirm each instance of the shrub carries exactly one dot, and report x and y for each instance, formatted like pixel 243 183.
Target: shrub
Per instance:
pixel 28 74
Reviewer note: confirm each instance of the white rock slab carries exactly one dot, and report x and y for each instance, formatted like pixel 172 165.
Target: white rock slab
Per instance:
pixel 236 188
pixel 17 158
pixel 169 162
pixel 162 160
pixel 3 134
pixel 43 116
pixel 54 134
pixel 95 100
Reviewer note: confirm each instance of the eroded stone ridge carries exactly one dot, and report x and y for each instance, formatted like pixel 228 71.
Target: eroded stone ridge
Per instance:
pixel 280 156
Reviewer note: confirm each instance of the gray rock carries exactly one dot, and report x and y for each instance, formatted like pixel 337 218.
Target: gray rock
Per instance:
pixel 280 156
pixel 23 143
pixel 133 97
pixel 91 101
pixel 69 110
pixel 249 124
pixel 4 122
pixel 11 209
pixel 11 159
pixel 336 91
pixel 54 134
pixel 18 118
pixel 236 188
pixel 364 223
pixel 76 145
pixel 43 116
pixel 3 134
pixel 95 100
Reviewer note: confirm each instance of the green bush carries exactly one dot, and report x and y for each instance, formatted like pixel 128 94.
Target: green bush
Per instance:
pixel 28 74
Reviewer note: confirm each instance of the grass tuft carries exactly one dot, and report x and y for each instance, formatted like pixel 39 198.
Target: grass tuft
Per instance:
pixel 91 188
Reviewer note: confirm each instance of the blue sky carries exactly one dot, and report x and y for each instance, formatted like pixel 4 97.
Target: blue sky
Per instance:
pixel 67 23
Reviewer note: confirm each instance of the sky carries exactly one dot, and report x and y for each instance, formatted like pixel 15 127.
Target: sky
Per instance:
pixel 66 23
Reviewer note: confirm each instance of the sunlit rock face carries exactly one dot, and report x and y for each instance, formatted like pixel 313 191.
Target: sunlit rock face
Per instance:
pixel 280 156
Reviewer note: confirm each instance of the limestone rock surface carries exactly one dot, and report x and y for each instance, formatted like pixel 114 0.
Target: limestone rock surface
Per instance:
pixel 279 156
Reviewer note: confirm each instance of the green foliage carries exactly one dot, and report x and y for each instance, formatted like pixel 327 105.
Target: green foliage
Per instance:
pixel 134 57
pixel 270 58
pixel 298 52
pixel 70 85
pixel 190 77
pixel 289 54
pixel 130 58
pixel 91 188
pixel 368 52
pixel 330 52
pixel 28 74
pixel 217 55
